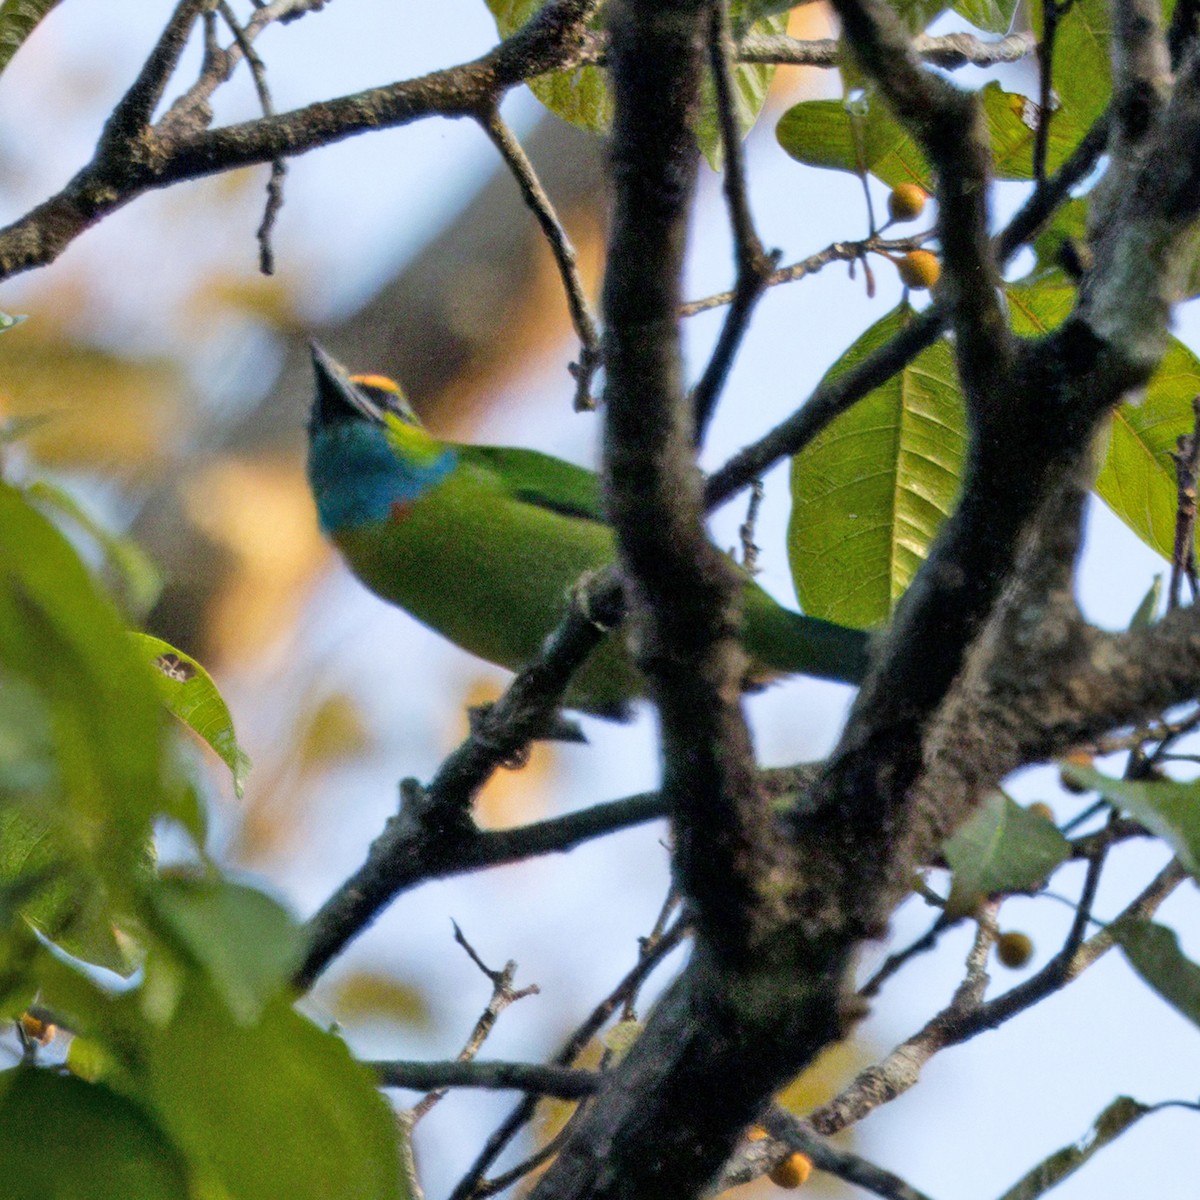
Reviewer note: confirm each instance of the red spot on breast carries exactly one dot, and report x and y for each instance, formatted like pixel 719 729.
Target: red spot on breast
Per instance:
pixel 400 510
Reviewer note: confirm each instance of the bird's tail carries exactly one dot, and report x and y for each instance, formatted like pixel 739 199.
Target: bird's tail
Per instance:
pixel 785 642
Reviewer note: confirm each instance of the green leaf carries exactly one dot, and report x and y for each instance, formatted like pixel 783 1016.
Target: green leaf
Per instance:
pixel 274 1110
pixel 580 97
pixel 854 136
pixel 190 693
pixel 917 14
pixel 1082 67
pixel 68 902
pixel 751 82
pixel 992 16
pixel 1137 480
pixel 139 580
pixel 1153 951
pixel 18 19
pixel 1068 223
pixel 62 638
pixel 1001 848
pixel 11 320
pixel 246 944
pixel 1170 810
pixel 1119 1116
pixel 64 1139
pixel 754 10
pixel 1039 304
pixel 1012 121
pixel 870 493
pixel 1143 617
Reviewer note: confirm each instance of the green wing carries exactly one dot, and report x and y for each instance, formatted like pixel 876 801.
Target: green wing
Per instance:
pixel 541 479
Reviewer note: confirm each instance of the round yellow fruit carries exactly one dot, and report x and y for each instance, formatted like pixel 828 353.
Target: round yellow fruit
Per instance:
pixel 792 1172
pixel 907 201
pixel 919 269
pixel 1014 949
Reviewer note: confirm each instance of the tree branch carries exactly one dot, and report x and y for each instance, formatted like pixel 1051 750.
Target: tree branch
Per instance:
pixel 564 1083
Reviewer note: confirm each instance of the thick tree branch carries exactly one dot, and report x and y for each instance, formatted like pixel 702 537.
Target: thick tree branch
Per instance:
pixel 134 157
pixel 684 592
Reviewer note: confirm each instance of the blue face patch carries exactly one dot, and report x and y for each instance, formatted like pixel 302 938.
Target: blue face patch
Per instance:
pixel 357 476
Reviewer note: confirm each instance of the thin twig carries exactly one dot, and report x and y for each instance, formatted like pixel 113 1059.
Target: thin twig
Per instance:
pixel 850 252
pixel 563 1083
pixel 892 964
pixel 648 958
pixel 565 258
pixel 754 264
pixel 747 527
pixel 1051 10
pixel 901 1069
pixel 503 994
pixel 266 254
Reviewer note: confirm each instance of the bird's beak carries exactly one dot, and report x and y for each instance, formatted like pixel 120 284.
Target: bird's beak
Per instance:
pixel 337 398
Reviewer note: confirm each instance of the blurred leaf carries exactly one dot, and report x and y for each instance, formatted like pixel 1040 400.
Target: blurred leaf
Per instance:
pixel 27 766
pixel 68 903
pixel 619 1040
pixel 992 16
pixel 751 82
pixel 102 411
pixel 1137 480
pixel 373 996
pixel 88 1059
pixel 856 136
pixel 262 511
pixel 832 1070
pixel 754 10
pixel 917 14
pixel 1143 618
pixel 1038 305
pixel 580 97
pixel 270 300
pixel 1068 223
pixel 1109 1125
pixel 1001 848
pixel 139 580
pixel 92 767
pixel 7 320
pixel 871 491
pixel 1153 950
pixel 332 732
pixel 275 1110
pixel 246 944
pixel 64 1139
pixel 1082 68
pixel 190 693
pixel 62 637
pixel 1170 810
pixel 18 19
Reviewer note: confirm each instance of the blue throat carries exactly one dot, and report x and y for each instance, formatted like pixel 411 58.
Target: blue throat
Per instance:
pixel 357 477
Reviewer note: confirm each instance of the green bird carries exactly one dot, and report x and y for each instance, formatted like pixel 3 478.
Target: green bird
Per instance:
pixel 484 543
